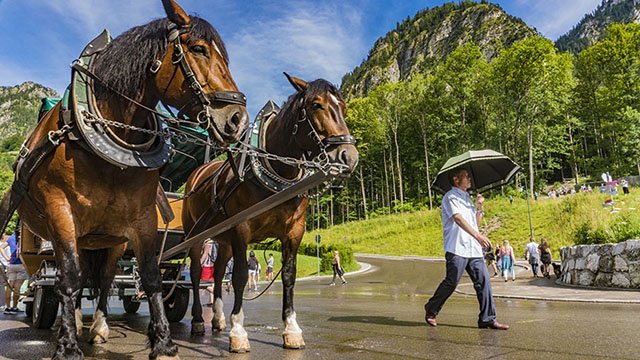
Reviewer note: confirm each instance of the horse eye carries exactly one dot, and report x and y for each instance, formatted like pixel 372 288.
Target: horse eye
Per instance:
pixel 316 106
pixel 199 49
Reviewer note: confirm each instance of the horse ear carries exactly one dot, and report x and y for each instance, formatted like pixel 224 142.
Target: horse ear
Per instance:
pixel 298 84
pixel 175 13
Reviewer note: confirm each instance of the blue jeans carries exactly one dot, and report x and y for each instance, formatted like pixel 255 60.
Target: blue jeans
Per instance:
pixel 477 270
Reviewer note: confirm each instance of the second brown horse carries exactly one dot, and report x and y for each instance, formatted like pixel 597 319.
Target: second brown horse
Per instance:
pixel 311 122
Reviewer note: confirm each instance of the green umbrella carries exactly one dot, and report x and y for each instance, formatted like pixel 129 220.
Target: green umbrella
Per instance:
pixel 487 169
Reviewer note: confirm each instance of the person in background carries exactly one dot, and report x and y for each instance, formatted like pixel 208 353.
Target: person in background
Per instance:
pixel 498 260
pixel 533 256
pixel 490 259
pixel 4 265
pixel 545 257
pixel 625 186
pixel 337 268
pixel 463 244
pixel 269 273
pixel 253 269
pixel 508 261
pixel 207 259
pixel 16 274
pixel 228 274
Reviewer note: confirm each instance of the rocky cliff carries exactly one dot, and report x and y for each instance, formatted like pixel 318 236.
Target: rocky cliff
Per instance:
pixel 593 26
pixel 19 108
pixel 418 43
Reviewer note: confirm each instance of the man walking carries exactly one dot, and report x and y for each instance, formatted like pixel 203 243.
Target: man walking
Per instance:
pixel 533 255
pixel 463 251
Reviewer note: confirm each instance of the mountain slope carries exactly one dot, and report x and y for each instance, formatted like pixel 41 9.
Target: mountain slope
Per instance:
pixel 428 38
pixel 593 26
pixel 19 108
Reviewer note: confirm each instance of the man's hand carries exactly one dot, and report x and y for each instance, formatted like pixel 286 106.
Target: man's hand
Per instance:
pixel 483 240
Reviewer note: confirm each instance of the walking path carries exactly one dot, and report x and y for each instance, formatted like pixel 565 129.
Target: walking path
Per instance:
pixel 528 288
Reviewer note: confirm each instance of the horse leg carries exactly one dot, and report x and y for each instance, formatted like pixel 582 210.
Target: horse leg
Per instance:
pixel 292 334
pixel 68 287
pixel 144 244
pixel 238 339
pixel 99 329
pixel 197 322
pixel 224 253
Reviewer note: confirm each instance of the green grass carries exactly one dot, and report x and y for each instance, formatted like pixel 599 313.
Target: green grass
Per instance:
pixel 306 265
pixel 558 220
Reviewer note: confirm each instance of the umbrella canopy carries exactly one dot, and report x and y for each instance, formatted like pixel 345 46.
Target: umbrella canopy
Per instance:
pixel 487 169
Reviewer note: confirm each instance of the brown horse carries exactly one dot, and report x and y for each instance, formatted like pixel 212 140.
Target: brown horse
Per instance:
pixel 91 208
pixel 312 120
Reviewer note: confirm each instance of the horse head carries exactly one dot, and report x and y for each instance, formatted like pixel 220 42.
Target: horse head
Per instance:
pixel 195 78
pixel 321 127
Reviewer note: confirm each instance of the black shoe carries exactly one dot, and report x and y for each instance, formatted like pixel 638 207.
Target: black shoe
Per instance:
pixel 430 318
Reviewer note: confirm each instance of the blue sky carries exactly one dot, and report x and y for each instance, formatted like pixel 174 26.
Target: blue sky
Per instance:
pixel 307 38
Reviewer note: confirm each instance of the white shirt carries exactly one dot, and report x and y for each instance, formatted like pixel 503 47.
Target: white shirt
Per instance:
pixel 532 248
pixel 456 240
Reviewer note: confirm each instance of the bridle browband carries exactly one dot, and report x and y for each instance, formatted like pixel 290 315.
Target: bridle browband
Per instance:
pixel 323 144
pixel 204 117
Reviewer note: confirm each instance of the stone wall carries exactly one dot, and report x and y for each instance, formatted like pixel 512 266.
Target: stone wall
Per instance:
pixel 604 265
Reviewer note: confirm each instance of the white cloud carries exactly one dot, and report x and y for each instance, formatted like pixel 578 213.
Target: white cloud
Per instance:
pixel 554 18
pixel 303 40
pixel 90 17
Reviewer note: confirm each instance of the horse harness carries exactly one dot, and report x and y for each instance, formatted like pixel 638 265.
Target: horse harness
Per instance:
pixel 81 122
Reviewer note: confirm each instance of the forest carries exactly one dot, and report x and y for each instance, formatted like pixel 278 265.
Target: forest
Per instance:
pixel 562 117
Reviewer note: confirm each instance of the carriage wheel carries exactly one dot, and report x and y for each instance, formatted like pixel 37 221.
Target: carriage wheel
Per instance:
pixel 130 306
pixel 45 307
pixel 176 306
pixel 28 308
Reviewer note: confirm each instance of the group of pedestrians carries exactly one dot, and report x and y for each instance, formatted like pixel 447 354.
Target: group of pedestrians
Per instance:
pixel 539 255
pixel 501 260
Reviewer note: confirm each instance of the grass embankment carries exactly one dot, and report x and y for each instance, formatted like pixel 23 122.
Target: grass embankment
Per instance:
pixel 561 221
pixel 306 265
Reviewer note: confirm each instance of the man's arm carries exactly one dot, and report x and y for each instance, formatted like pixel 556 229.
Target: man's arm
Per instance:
pixel 483 240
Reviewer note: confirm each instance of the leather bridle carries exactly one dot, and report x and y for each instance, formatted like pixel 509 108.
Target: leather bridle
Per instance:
pixel 322 143
pixel 204 117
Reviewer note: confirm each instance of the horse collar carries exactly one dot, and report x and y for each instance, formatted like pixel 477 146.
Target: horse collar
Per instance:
pixel 95 137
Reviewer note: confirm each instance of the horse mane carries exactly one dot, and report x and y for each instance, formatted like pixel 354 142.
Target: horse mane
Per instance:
pixel 292 107
pixel 124 63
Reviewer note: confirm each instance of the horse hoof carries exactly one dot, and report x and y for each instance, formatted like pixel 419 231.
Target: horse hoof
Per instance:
pixel 219 325
pixel 293 341
pixel 98 339
pixel 239 345
pixel 197 329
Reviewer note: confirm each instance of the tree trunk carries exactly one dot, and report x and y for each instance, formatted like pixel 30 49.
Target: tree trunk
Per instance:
pixel 426 161
pixel 398 166
pixel 364 195
pixel 531 175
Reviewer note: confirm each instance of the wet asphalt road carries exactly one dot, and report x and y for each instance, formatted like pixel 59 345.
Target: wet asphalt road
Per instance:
pixel 377 315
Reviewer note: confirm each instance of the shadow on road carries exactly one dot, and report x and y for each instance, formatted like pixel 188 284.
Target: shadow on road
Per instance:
pixel 380 320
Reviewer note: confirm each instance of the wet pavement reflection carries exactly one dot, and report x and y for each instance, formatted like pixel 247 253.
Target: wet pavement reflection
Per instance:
pixel 377 315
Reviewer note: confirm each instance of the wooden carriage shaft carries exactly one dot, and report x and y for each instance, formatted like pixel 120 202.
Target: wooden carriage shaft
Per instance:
pixel 255 210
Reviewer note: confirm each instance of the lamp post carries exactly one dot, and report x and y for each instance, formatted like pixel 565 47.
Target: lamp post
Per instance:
pixel 318 252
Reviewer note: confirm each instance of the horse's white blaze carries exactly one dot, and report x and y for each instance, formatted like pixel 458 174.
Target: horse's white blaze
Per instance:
pixel 237 325
pixel 335 109
pixel 291 325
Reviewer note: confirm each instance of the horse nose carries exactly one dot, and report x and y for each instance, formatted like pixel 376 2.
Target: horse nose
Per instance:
pixel 237 122
pixel 349 158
